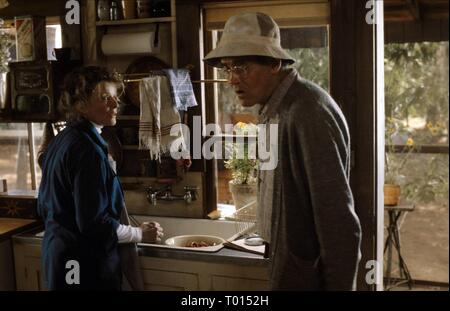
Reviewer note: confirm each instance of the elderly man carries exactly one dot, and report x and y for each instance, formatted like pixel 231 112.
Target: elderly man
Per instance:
pixel 305 204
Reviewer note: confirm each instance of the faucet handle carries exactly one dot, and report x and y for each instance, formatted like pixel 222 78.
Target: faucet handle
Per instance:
pixel 190 193
pixel 151 195
pixel 188 197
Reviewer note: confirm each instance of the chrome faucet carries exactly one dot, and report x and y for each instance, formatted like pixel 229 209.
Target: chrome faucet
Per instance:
pixel 165 194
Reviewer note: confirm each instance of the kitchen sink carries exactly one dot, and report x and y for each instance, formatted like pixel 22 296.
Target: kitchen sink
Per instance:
pixel 173 226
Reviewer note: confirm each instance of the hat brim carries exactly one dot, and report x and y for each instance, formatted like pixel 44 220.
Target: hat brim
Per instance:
pixel 237 49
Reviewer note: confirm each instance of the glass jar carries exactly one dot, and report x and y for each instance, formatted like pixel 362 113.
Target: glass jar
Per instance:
pixel 103 8
pixel 114 11
pixel 143 8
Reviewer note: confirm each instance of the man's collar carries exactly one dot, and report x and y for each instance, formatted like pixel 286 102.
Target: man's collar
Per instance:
pixel 270 108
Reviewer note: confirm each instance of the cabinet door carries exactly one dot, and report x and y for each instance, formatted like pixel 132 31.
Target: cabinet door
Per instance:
pixel 7 279
pixel 228 283
pixel 33 274
pixel 158 280
pixel 27 260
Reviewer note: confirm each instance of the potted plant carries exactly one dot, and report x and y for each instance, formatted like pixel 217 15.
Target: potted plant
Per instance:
pixel 243 164
pixel 399 147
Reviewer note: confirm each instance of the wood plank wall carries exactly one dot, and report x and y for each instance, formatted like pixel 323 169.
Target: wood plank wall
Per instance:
pixel 39 8
pixel 418 31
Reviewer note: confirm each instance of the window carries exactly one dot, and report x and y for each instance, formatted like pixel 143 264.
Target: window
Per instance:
pixel 18 164
pixel 53 35
pixel 304 34
pixel 417 110
pixel 417 103
pixel 54 40
pixel 15 165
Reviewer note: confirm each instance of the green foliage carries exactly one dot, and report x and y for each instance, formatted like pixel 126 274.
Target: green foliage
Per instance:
pixel 242 163
pixel 417 102
pixel 425 178
pixel 416 83
pixel 313 64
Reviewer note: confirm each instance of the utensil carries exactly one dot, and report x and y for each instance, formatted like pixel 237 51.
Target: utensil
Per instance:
pixel 231 245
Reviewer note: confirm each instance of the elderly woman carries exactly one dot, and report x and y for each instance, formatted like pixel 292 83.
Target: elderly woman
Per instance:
pixel 80 196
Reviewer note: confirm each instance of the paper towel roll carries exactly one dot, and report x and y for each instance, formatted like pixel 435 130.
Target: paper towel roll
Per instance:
pixel 129 43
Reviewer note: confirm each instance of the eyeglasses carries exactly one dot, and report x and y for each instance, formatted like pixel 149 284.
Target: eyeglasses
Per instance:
pixel 239 70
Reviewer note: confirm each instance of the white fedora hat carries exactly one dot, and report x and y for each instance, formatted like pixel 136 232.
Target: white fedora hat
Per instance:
pixel 249 34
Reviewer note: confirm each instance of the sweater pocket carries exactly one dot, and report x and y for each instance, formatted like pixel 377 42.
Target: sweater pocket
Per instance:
pixel 298 274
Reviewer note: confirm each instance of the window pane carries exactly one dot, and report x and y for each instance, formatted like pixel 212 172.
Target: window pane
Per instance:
pixel 54 40
pixel 417 105
pixel 424 177
pixel 424 232
pixel 224 176
pixel 417 93
pixel 38 129
pixel 417 114
pixel 53 33
pixel 14 161
pixel 309 46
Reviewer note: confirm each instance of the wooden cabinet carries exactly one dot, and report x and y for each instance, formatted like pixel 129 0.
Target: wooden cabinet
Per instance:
pixel 7 281
pixel 159 280
pixel 174 274
pixel 159 274
pixel 27 258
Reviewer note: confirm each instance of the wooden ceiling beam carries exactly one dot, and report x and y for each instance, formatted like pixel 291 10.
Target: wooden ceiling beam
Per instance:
pixel 415 10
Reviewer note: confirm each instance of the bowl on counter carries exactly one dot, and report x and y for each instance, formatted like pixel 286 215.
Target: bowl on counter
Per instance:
pixel 195 241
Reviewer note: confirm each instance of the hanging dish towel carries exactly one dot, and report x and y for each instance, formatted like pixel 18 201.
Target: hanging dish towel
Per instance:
pixel 181 88
pixel 158 117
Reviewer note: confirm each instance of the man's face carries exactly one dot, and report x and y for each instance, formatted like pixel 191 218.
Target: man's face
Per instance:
pixel 102 106
pixel 252 82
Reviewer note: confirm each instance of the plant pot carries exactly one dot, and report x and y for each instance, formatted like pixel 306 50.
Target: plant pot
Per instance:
pixel 242 194
pixel 391 194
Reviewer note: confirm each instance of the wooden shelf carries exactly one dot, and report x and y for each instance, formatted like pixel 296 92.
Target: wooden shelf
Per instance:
pixel 137 21
pixel 171 20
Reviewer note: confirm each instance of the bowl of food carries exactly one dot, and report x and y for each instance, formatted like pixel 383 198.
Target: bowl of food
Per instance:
pixel 194 241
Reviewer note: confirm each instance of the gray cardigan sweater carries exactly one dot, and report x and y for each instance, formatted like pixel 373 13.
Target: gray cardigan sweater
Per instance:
pixel 316 235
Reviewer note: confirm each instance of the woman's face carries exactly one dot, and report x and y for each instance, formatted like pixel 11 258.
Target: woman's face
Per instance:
pixel 102 106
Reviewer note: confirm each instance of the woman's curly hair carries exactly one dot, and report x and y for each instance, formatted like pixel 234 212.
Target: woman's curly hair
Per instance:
pixel 78 87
